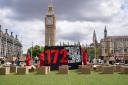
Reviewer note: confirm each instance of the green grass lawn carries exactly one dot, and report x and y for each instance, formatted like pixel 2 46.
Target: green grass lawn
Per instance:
pixel 73 78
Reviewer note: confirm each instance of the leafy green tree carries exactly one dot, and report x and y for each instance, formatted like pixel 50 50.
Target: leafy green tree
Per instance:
pixel 36 50
pixel 91 52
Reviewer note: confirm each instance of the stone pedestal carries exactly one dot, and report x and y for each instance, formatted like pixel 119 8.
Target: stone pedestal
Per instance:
pixel 86 69
pixel 42 70
pixel 124 69
pixel 90 65
pixel 22 70
pixel 4 70
pixel 63 69
pixel 49 69
pixel 117 68
pixel 80 67
pixel 31 68
pixel 107 70
pixel 13 69
pixel 28 67
pixel 99 68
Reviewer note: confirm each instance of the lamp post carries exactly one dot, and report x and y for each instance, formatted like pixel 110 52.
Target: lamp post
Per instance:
pixel 123 50
pixel 21 51
pixel 0 43
pixel 6 43
pixel 0 40
pixel 31 50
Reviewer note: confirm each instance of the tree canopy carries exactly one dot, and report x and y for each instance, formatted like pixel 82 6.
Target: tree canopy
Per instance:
pixel 36 50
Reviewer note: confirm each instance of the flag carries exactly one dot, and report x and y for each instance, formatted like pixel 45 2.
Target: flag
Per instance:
pixel 41 57
pixel 84 56
pixel 28 58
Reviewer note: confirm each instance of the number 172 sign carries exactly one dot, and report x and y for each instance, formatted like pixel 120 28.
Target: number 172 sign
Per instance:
pixel 62 55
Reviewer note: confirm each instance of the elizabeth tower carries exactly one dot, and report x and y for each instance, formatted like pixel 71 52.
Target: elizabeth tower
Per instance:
pixel 50 27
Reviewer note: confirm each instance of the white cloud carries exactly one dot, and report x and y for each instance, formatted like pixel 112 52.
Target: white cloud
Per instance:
pixel 101 9
pixel 5 13
pixel 34 30
pixel 27 31
pixel 108 8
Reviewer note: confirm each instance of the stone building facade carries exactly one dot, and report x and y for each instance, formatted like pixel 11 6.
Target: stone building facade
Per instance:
pixel 116 46
pixel 10 46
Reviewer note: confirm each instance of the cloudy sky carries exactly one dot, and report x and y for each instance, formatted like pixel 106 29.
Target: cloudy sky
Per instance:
pixel 76 19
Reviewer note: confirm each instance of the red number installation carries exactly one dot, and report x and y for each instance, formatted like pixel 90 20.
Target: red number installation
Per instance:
pixel 64 53
pixel 56 53
pixel 49 56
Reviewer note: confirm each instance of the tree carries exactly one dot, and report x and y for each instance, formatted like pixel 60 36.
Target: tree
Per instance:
pixel 36 50
pixel 91 52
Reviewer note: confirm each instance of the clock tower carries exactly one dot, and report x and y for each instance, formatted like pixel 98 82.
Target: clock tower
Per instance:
pixel 50 26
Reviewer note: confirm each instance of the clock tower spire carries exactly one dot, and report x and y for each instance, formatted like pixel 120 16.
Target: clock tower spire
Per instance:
pixel 50 8
pixel 50 26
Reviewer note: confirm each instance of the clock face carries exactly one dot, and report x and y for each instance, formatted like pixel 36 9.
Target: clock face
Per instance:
pixel 49 20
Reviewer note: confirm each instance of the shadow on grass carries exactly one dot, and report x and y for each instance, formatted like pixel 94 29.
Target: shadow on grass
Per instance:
pixel 39 73
pixel 100 73
pixel 20 74
pixel 62 73
pixel 78 71
pixel 123 73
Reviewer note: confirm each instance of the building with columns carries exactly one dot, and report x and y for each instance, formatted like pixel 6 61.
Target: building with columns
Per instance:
pixel 9 45
pixel 50 26
pixel 114 46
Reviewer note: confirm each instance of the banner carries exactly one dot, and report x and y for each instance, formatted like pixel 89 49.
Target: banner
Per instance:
pixel 62 55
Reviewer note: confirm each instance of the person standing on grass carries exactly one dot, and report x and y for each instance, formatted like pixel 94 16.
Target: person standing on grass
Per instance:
pixel 17 61
pixel 36 59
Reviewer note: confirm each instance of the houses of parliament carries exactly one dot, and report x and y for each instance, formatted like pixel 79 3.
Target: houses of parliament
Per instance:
pixel 116 46
pixel 10 46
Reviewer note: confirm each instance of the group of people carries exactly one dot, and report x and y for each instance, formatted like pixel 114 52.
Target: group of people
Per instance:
pixel 36 60
pixel 97 61
pixel 118 60
pixel 40 59
pixel 111 60
pixel 28 60
pixel 5 60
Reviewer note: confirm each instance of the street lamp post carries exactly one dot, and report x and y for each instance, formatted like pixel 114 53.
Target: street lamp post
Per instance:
pixel 0 44
pixel 6 43
pixel 21 51
pixel 13 47
pixel 31 50
pixel 123 51
pixel 0 40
